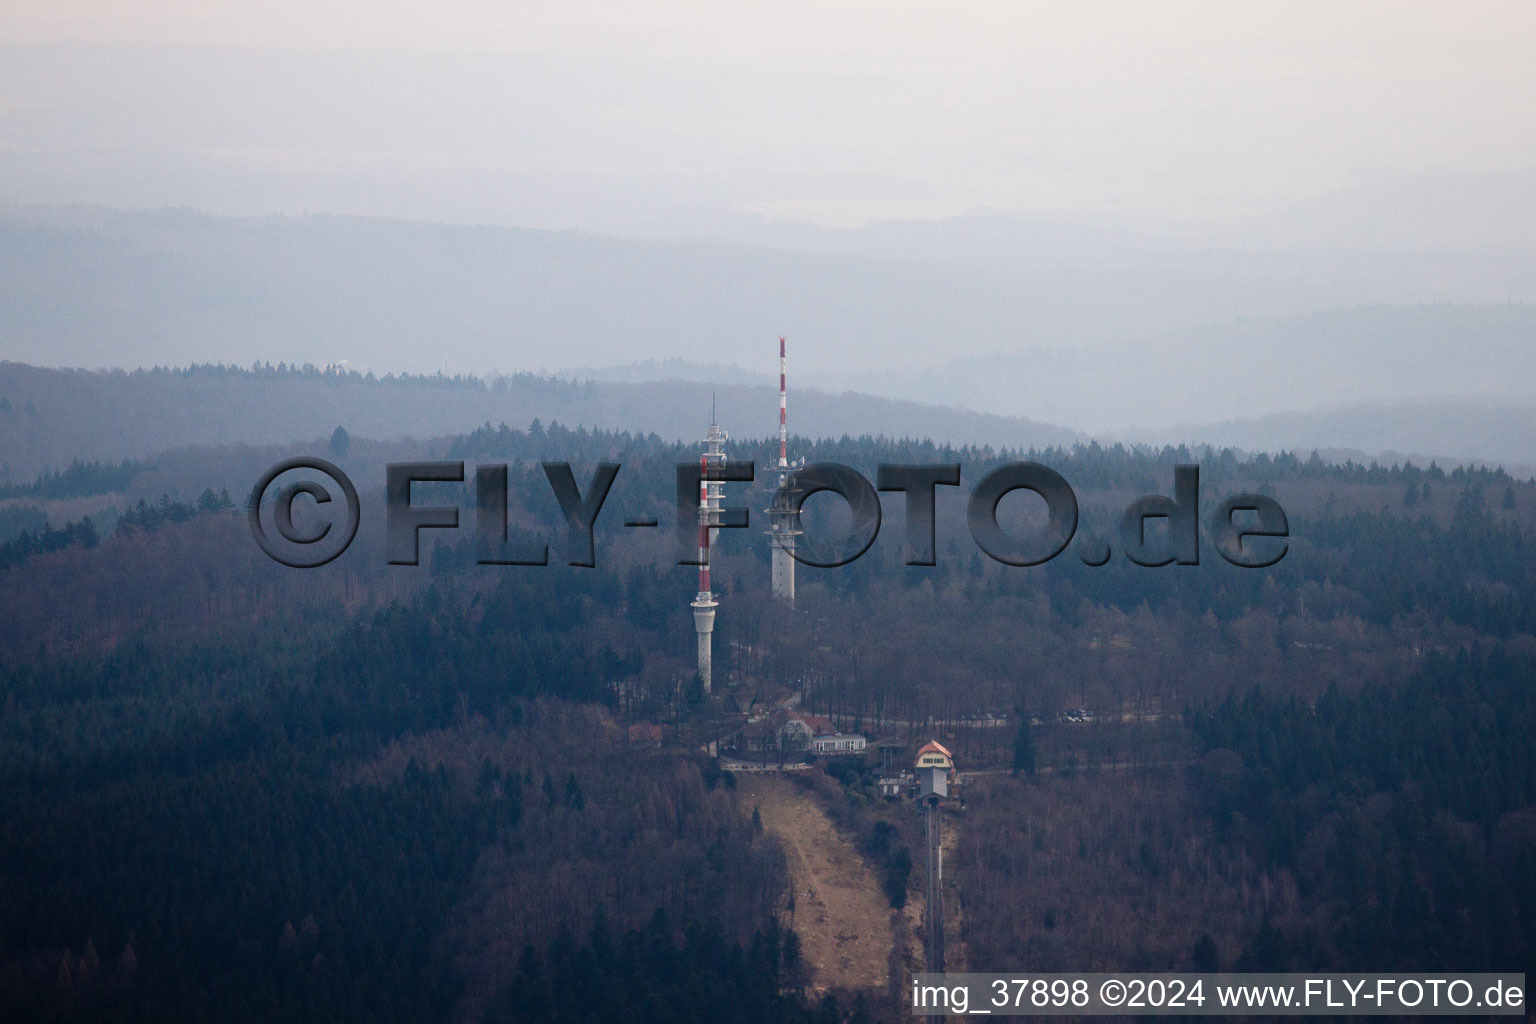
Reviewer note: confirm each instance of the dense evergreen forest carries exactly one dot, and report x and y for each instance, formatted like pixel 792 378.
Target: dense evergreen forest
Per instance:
pixel 1409 813
pixel 80 478
pixel 235 791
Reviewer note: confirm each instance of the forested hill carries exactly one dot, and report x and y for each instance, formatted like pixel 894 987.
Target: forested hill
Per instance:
pixel 238 791
pixel 48 417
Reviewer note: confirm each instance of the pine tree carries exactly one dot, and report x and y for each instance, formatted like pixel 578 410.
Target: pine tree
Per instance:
pixel 794 972
pixel 127 963
pixel 65 986
pixel 1023 748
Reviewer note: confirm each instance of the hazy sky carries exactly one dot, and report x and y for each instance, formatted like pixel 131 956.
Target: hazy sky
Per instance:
pixel 688 114
pixel 1179 165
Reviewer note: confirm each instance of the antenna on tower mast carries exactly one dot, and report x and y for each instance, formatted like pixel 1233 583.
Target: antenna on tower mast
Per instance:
pixel 784 514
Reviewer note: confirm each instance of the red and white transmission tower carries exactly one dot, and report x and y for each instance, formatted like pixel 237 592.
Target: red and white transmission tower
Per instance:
pixel 783 516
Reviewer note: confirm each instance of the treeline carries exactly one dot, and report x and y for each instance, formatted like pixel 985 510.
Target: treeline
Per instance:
pixel 1379 562
pixel 1092 464
pixel 80 480
pixel 17 519
pixel 143 516
pixel 335 373
pixel 29 543
pixel 1409 813
pixel 150 517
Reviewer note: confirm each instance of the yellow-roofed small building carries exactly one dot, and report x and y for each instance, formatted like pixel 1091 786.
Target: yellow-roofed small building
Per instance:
pixel 935 769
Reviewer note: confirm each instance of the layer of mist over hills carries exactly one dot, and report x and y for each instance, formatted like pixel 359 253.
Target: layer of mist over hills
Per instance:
pixel 1105 331
pixel 1364 232
pixel 1366 355
pixel 54 416
pixel 670 369
pixel 1464 212
pixel 1363 360
pixel 1449 431
pixel 174 288
pixel 84 285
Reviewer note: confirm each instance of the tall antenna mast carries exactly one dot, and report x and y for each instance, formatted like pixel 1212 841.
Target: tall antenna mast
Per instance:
pixel 783 516
pixel 783 413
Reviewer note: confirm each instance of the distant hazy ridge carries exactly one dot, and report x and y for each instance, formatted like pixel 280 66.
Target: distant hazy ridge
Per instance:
pixel 49 417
